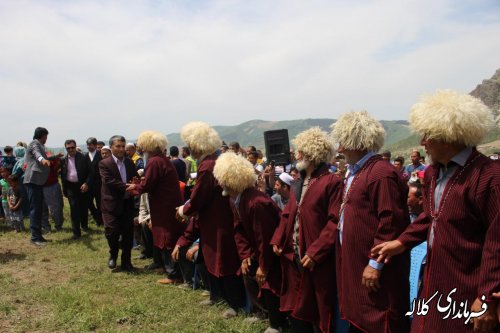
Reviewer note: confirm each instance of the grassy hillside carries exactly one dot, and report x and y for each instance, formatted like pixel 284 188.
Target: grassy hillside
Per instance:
pixel 251 132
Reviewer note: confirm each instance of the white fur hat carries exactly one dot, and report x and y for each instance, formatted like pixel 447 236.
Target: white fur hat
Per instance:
pixel 234 172
pixel 151 141
pixel 358 131
pixel 314 144
pixel 200 137
pixel 451 117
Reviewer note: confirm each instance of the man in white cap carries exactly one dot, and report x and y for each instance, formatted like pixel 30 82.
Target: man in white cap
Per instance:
pixel 461 218
pixel 282 187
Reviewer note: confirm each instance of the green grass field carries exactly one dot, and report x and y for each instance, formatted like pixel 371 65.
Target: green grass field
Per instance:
pixel 66 286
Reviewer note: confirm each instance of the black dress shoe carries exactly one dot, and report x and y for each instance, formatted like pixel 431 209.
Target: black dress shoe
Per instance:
pixel 112 263
pixel 128 268
pixel 75 237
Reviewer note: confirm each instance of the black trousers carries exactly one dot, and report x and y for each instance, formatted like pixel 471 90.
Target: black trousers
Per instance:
pixel 78 205
pixel 147 241
pixel 117 226
pixel 94 195
pixel 267 302
pixel 186 267
pixel 229 288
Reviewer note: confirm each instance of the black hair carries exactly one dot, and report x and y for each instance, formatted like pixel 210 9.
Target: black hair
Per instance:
pixel 418 186
pixel 92 141
pixel 101 143
pixel 254 154
pixel 235 145
pixel 400 159
pixel 69 141
pixel 174 151
pixel 40 132
pixel 116 138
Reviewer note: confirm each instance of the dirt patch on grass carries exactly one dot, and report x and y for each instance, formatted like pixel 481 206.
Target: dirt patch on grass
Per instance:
pixel 27 263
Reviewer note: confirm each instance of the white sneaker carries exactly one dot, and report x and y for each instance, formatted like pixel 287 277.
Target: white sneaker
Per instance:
pixel 271 330
pixel 206 302
pixel 229 313
pixel 252 320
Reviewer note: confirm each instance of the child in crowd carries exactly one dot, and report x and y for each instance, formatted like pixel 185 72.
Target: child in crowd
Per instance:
pixel 15 201
pixel 5 173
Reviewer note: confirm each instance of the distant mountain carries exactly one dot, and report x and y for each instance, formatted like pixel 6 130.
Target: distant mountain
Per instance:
pixel 252 132
pixel 489 92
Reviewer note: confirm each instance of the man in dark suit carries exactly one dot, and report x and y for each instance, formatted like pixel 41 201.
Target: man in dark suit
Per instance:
pixel 94 156
pixel 117 206
pixel 76 175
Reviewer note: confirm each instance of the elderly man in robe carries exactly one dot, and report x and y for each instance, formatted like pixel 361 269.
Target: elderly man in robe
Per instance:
pixel 305 238
pixel 461 218
pixel 372 297
pixel 215 219
pixel 256 217
pixel 161 183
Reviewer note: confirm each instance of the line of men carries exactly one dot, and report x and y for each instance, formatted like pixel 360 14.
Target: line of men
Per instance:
pixel 336 258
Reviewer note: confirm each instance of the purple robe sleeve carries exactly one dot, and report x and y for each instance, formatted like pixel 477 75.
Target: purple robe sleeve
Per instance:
pixel 202 192
pixel 263 218
pixel 280 232
pixel 150 180
pixel 390 208
pixel 240 237
pixel 416 232
pixel 325 244
pixel 190 235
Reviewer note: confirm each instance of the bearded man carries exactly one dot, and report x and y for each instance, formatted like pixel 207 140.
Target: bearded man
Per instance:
pixel 305 238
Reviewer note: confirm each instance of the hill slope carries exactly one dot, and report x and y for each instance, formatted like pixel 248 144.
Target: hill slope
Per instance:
pixel 251 132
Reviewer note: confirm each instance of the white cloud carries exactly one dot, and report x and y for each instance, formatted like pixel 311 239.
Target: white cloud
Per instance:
pixel 91 68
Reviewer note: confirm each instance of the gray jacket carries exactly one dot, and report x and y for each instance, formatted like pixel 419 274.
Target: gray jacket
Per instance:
pixel 35 173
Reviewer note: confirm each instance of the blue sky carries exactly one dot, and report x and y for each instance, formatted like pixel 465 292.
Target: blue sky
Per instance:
pixel 98 68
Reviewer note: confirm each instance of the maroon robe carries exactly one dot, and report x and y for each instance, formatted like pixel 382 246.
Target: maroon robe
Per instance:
pixel 162 185
pixel 215 220
pixel 311 295
pixel 191 233
pixel 466 248
pixel 256 218
pixel 375 212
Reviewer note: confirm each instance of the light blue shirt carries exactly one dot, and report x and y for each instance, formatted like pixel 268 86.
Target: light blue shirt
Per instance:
pixel 445 173
pixel 353 169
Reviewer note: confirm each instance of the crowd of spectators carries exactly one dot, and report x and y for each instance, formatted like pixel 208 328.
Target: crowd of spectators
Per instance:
pixel 267 239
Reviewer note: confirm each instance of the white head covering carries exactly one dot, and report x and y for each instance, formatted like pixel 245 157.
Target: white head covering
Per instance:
pixel 286 178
